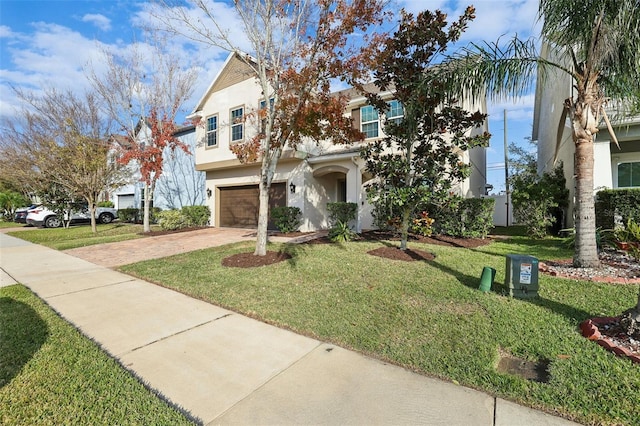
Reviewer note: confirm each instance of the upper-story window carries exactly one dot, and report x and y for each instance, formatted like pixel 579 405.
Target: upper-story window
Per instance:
pixel 369 121
pixel 263 114
pixel 212 131
pixel 395 111
pixel 237 124
pixel 628 175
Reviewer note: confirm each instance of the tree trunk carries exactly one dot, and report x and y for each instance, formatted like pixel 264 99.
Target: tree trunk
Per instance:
pixel 92 212
pixel 404 228
pixel 586 250
pixel 146 223
pixel 263 220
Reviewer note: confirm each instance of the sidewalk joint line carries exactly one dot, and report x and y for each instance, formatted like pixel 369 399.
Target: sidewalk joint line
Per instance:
pixel 178 333
pixel 91 288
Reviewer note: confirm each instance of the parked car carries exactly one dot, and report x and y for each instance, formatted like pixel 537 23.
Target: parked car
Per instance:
pixel 21 213
pixel 43 217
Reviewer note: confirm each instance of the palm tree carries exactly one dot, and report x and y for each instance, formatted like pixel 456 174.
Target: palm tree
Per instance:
pixel 597 42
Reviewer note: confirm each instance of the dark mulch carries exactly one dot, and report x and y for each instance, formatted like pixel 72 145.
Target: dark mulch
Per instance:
pixel 249 260
pixel 441 240
pixel 408 255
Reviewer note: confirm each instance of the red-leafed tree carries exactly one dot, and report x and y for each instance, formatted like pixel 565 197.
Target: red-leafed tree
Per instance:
pixel 143 90
pixel 296 50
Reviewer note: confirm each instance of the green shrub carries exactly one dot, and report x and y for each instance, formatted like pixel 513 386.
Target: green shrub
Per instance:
pixel 535 199
pixel 172 219
pixel 10 201
pixel 196 215
pixel 129 215
pixel 286 218
pixel 629 234
pixel 422 225
pixel 108 204
pixel 463 217
pixel 341 233
pixel 614 207
pixel 342 212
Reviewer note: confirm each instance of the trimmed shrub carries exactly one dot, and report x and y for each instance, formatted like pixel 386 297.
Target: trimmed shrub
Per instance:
pixel 172 219
pixel 196 215
pixel 286 218
pixel 108 204
pixel 614 207
pixel 129 215
pixel 464 217
pixel 342 212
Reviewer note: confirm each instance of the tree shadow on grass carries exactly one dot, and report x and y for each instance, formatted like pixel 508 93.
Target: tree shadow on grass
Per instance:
pixel 22 333
pixel 569 312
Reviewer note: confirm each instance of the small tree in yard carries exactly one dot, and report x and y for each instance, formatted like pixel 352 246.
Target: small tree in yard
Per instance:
pixel 297 48
pixel 418 161
pixel 143 94
pixel 536 198
pixel 60 147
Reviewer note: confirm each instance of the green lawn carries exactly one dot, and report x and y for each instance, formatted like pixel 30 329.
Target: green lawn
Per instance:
pixel 9 224
pixel 80 235
pixel 50 374
pixel 430 317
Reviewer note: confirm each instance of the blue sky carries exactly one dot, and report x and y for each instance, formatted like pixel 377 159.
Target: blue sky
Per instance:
pixel 49 43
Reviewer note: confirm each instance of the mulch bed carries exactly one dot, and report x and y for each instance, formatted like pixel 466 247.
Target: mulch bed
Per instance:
pixel 608 333
pixel 408 255
pixel 249 260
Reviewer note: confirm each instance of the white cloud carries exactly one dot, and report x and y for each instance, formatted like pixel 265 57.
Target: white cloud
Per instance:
pixel 5 32
pixel 98 20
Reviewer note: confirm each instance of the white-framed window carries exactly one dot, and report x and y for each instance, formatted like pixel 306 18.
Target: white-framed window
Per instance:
pixel 369 121
pixel 395 111
pixel 629 174
pixel 237 124
pixel 212 131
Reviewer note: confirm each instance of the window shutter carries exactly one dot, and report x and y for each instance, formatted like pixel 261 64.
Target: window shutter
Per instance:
pixel 355 118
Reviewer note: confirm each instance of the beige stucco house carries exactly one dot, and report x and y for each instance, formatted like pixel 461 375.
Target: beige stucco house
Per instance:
pixel 307 178
pixel 613 167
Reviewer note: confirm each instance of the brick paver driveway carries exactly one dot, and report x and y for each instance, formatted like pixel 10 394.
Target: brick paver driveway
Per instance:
pixel 131 251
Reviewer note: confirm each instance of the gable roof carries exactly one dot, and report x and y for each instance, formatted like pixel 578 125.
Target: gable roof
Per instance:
pixel 234 70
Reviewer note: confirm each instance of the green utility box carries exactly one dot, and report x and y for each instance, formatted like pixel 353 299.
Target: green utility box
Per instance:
pixel 521 276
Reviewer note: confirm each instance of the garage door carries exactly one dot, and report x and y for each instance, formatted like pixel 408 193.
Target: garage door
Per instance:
pixel 239 205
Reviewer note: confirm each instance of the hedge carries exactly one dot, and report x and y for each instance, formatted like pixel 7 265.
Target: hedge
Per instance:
pixel 614 207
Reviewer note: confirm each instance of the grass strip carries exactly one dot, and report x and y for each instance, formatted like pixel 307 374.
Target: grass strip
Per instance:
pixel 430 317
pixel 50 374
pixel 80 235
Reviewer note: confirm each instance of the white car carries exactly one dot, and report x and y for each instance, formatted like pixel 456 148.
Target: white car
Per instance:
pixel 43 217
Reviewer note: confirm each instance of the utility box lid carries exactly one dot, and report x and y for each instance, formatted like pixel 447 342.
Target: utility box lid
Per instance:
pixel 521 275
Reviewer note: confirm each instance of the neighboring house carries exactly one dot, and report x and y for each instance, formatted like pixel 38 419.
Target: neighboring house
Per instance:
pixel 613 168
pixel 307 178
pixel 179 185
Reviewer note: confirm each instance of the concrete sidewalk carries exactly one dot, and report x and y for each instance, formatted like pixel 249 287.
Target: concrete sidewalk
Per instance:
pixel 225 368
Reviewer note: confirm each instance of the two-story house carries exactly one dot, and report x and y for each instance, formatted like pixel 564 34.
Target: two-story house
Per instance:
pixel 179 185
pixel 613 167
pixel 307 178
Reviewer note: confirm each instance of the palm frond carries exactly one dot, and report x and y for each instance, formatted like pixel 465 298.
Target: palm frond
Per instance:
pixel 499 71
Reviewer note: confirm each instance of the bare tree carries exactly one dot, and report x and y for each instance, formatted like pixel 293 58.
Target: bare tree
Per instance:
pixel 62 141
pixel 181 184
pixel 295 49
pixel 143 90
